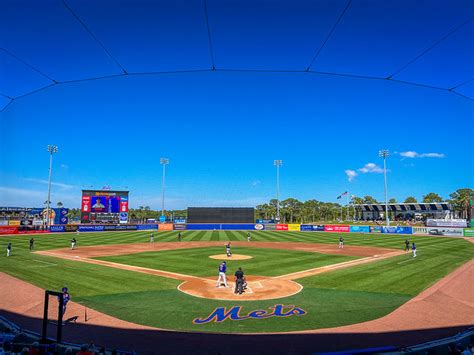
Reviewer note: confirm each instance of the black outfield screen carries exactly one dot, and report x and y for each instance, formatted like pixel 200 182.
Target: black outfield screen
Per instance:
pixel 221 215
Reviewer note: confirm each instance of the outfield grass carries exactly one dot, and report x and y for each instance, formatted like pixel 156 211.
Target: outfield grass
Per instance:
pixel 196 261
pixel 336 298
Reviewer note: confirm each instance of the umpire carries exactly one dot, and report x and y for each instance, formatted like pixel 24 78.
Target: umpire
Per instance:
pixel 239 281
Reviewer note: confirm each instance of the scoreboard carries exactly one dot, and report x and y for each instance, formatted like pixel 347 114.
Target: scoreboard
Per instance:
pixel 104 206
pixel 221 215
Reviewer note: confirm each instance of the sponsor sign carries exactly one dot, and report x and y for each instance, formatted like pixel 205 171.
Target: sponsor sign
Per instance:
pixel 454 232
pixel 32 231
pixel 270 227
pixel 162 219
pixel 180 220
pixel 3 222
pixel 469 232
pixel 397 230
pixel 57 229
pixel 14 222
pixel 282 227
pixel 142 227
pixel 306 228
pixel 221 314
pixel 462 223
pixel 86 204
pixel 165 226
pixel 130 227
pixel 375 229
pixel 294 227
pixel 91 228
pixel 265 221
pixel 237 226
pixel 336 228
pixel 259 227
pixel 179 227
pixel 71 228
pixel 359 229
pixel 8 230
pixel 123 217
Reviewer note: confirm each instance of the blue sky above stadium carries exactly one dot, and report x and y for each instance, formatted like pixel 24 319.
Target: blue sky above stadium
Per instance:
pixel 222 130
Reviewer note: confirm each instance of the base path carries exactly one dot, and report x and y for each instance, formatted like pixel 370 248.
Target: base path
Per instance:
pixel 259 287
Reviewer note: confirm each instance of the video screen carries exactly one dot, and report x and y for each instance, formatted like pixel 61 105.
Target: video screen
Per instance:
pixel 104 201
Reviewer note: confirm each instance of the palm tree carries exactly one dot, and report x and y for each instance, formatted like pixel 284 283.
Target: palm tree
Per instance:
pixel 460 199
pixel 59 204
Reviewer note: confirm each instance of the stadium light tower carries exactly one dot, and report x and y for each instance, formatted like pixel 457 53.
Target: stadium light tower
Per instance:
pixel 51 149
pixel 278 163
pixel 384 154
pixel 164 162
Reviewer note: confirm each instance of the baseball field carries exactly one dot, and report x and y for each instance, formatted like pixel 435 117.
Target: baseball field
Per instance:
pixel 172 285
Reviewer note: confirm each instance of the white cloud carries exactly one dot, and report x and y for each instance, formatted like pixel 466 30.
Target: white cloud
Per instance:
pixel 371 168
pixel 45 182
pixel 11 196
pixel 412 154
pixel 64 166
pixel 351 174
pixel 256 182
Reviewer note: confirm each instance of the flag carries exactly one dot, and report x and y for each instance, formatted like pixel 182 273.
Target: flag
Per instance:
pixel 343 194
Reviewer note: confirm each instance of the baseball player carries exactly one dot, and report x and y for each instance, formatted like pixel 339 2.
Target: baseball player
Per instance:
pixel 73 243
pixel 341 242
pixel 32 244
pixel 407 245
pixel 413 249
pixel 9 249
pixel 222 277
pixel 66 298
pixel 239 281
pixel 248 237
pixel 152 238
pixel 228 251
pixel 179 236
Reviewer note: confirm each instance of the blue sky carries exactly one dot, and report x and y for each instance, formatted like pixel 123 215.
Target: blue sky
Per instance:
pixel 222 130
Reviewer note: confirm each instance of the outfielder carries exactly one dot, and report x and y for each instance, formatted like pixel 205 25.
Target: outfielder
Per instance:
pixel 9 249
pixel 222 277
pixel 341 242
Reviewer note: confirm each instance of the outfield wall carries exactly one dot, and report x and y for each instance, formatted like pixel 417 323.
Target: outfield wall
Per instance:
pixel 330 228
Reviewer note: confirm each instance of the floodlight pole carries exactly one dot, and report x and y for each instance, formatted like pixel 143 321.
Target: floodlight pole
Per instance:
pixel 164 162
pixel 384 154
pixel 278 163
pixel 51 149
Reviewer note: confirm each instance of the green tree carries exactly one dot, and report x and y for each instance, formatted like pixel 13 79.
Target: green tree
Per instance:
pixel 370 199
pixel 460 201
pixel 410 199
pixel 59 204
pixel 358 201
pixel 392 200
pixel 432 198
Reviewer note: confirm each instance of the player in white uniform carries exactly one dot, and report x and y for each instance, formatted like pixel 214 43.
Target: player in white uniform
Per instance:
pixel 222 279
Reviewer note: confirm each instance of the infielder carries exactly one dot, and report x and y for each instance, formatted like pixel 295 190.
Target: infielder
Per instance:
pixel 9 249
pixel 32 244
pixel 222 277
pixel 248 237
pixel 152 238
pixel 413 249
pixel 73 243
pixel 179 236
pixel 341 242
pixel 407 245
pixel 227 250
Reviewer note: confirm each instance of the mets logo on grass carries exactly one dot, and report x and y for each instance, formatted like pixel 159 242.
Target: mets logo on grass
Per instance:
pixel 221 314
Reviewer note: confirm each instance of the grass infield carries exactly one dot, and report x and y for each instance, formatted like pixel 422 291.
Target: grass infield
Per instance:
pixel 331 299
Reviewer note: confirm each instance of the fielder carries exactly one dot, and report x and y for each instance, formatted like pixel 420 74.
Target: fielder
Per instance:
pixel 152 238
pixel 32 244
pixel 227 250
pixel 341 242
pixel 9 249
pixel 222 277
pixel 413 249
pixel 407 245
pixel 248 237
pixel 73 243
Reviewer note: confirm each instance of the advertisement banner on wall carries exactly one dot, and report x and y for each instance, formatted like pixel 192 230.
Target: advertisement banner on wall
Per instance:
pixel 294 227
pixel 265 221
pixel 123 217
pixel 57 229
pixel 203 226
pixel 469 232
pixel 259 227
pixel 179 227
pixel 461 223
pixel 282 227
pixel 397 230
pixel 3 222
pixel 375 229
pixel 8 230
pixel 359 229
pixel 14 222
pixel 71 228
pixel 336 228
pixel 143 227
pixel 306 228
pixel 131 227
pixel 180 220
pixel 238 226
pixel 270 227
pixel 91 228
pixel 165 226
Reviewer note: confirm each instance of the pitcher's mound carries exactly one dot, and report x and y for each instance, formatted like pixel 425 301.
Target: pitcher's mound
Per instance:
pixel 233 257
pixel 259 288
